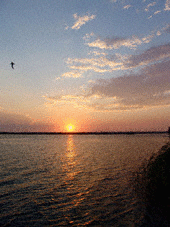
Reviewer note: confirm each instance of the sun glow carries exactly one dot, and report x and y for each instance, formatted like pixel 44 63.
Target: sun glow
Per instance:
pixel 70 128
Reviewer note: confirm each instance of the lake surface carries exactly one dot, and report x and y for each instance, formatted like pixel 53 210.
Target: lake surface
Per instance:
pixel 73 180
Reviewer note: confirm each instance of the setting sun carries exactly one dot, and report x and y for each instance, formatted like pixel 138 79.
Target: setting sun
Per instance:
pixel 70 128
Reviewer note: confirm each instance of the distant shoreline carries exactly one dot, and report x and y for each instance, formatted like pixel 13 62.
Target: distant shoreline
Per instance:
pixel 86 133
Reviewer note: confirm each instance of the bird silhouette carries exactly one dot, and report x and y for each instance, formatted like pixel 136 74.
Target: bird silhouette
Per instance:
pixel 12 64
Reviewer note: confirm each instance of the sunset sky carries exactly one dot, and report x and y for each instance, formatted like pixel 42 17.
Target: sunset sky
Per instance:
pixel 84 65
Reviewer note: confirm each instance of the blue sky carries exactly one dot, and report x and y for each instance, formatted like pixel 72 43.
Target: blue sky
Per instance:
pixel 98 64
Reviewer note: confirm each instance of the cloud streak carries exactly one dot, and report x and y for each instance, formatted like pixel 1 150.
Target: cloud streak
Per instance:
pixel 150 5
pixel 117 42
pixel 146 88
pixel 150 87
pixel 14 122
pixel 156 12
pixel 101 64
pixel 149 56
pixel 72 74
pixel 127 7
pixel 81 20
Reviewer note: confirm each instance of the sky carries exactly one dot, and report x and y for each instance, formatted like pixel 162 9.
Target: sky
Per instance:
pixel 84 65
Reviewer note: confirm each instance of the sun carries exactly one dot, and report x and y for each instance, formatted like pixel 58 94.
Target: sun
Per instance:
pixel 70 128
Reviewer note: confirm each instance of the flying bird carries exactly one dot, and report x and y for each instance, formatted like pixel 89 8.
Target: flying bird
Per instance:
pixel 12 64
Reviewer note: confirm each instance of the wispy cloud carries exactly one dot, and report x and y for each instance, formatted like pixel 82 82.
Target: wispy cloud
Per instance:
pixel 140 90
pixel 81 20
pixel 88 36
pixel 136 90
pixel 150 5
pixel 73 100
pixel 150 17
pixel 110 63
pixel 151 55
pixel 117 42
pixel 130 42
pixel 95 101
pixel 167 28
pixel 100 64
pixel 146 88
pixel 97 53
pixel 73 74
pixel 156 12
pixel 127 6
pixel 148 38
pixel 167 5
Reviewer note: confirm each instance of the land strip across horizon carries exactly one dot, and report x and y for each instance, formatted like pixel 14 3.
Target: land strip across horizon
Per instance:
pixel 88 133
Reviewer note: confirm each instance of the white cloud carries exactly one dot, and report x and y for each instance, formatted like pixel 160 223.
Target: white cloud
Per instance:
pixel 167 5
pixel 81 20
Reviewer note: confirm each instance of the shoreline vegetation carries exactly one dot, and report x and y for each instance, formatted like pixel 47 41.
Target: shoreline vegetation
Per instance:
pixel 152 186
pixel 87 133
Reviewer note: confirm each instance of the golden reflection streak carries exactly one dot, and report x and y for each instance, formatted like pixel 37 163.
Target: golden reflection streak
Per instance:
pixel 71 167
pixel 73 182
pixel 70 155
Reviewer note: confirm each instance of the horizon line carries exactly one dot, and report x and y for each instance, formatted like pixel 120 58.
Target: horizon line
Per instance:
pixel 88 133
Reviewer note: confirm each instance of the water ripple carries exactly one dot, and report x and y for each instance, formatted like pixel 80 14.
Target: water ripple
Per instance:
pixel 70 181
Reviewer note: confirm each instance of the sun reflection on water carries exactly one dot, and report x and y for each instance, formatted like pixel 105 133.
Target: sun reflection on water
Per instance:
pixel 73 181
pixel 70 158
pixel 70 147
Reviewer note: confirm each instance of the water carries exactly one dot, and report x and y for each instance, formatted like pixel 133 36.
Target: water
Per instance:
pixel 72 180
